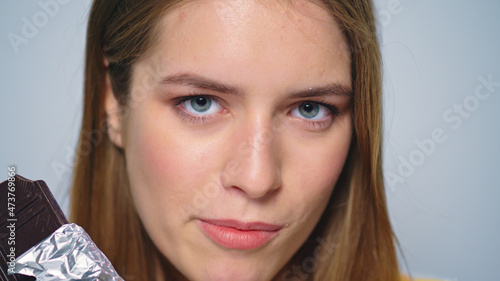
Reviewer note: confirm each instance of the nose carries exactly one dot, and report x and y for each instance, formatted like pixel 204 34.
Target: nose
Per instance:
pixel 256 151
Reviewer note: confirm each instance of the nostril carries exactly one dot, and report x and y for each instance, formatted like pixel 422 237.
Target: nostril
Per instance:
pixel 255 192
pixel 238 189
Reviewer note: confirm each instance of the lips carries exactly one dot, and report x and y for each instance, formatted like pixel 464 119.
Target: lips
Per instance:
pixel 239 235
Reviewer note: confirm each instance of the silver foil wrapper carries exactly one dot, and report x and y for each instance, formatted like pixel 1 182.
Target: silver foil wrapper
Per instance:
pixel 67 254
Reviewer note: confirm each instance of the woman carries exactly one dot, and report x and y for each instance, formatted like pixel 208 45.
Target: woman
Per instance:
pixel 234 140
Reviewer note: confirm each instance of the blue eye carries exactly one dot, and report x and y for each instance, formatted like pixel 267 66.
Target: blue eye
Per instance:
pixel 311 111
pixel 201 105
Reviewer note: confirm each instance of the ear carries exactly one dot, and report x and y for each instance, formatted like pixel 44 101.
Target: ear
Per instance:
pixel 113 113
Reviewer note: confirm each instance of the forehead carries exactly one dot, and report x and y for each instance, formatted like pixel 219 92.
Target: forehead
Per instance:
pixel 293 38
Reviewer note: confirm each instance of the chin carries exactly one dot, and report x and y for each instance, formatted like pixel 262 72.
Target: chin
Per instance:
pixel 232 275
pixel 232 272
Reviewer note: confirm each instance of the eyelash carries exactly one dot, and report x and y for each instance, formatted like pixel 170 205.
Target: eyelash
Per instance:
pixel 321 123
pixel 187 116
pixel 202 119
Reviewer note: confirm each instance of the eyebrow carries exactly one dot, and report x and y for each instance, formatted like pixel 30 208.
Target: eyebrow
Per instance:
pixel 193 80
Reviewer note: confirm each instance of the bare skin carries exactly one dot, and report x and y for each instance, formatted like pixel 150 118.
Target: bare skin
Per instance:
pixel 263 138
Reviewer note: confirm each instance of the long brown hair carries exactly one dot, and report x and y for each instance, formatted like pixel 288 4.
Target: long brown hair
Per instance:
pixel 360 244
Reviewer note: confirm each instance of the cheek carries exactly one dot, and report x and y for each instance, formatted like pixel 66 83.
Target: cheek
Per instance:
pixel 167 166
pixel 315 168
pixel 157 164
pixel 162 158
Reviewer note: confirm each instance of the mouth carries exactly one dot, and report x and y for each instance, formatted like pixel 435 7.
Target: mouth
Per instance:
pixel 234 234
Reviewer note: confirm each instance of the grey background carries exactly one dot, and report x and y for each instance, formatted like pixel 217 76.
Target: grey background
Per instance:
pixel 444 207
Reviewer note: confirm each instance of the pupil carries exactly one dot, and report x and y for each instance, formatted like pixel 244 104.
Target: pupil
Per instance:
pixel 201 104
pixel 308 107
pixel 201 101
pixel 309 110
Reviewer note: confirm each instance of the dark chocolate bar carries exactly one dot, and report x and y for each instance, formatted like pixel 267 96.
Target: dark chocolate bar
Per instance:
pixel 34 214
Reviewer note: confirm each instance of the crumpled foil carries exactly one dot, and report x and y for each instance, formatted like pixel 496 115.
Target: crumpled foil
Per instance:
pixel 67 254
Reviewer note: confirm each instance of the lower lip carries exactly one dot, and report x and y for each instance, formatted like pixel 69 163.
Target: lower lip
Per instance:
pixel 234 238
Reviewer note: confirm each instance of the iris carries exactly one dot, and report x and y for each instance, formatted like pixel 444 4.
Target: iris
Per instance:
pixel 201 104
pixel 309 110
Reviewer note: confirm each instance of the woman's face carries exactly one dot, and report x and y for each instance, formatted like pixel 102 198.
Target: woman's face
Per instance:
pixel 237 128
